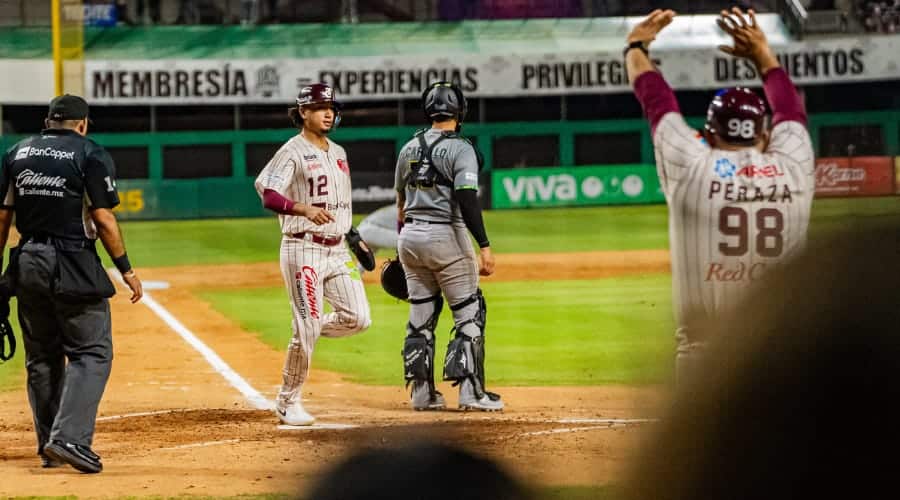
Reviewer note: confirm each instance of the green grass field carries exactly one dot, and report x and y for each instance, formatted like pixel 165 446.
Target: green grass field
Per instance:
pixel 552 333
pixel 539 333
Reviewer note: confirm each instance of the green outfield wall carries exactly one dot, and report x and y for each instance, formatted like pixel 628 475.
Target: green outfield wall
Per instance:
pixel 159 190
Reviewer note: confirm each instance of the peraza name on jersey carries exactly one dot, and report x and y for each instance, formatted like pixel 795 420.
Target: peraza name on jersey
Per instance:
pixel 728 191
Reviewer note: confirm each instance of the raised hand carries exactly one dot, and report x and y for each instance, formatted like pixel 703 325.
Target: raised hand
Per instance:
pixel 749 40
pixel 646 30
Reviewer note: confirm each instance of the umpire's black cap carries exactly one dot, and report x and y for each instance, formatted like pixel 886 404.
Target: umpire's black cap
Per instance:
pixel 67 107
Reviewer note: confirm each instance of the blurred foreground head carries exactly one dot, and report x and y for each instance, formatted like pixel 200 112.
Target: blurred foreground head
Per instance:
pixel 797 397
pixel 421 471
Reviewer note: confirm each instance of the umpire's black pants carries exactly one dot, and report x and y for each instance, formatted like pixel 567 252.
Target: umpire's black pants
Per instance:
pixel 64 396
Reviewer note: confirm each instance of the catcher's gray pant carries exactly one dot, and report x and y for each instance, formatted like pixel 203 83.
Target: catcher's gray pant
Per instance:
pixel 64 396
pixel 439 258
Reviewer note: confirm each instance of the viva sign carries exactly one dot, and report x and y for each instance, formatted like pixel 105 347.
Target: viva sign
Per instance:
pixel 575 186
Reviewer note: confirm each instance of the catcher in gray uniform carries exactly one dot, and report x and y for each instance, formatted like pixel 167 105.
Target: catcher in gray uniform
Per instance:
pixel 437 201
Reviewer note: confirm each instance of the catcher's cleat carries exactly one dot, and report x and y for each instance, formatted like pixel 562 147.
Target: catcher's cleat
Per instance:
pixel 79 457
pixel 487 403
pixel 468 400
pixel 423 400
pixel 294 414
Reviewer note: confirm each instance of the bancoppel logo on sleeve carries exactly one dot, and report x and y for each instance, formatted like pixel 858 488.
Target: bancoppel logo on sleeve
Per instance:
pixel 47 152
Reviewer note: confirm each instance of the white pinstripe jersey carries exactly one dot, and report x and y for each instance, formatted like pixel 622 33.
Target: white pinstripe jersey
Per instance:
pixel 303 173
pixel 733 215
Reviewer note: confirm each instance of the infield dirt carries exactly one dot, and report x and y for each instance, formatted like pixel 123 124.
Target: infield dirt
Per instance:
pixel 203 437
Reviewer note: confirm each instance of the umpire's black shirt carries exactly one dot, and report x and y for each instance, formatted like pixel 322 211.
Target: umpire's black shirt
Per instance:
pixel 52 179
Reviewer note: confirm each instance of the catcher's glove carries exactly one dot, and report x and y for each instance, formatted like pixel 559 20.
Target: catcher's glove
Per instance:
pixel 393 279
pixel 6 332
pixel 363 254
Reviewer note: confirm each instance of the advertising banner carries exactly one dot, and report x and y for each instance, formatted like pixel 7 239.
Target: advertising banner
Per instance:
pixel 575 186
pixel 854 176
pixel 211 81
pixel 103 15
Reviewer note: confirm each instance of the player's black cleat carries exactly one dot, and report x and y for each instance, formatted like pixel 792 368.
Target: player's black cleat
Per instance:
pixel 79 457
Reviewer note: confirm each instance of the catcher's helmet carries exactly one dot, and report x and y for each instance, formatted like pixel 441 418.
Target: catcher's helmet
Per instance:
pixel 393 279
pixel 444 99
pixel 737 115
pixel 319 93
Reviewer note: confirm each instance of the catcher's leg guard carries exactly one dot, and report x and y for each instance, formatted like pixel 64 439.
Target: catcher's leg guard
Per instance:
pixel 464 363
pixel 418 353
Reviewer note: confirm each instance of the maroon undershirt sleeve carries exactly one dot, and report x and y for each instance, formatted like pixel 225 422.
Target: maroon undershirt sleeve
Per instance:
pixel 783 98
pixel 655 96
pixel 277 203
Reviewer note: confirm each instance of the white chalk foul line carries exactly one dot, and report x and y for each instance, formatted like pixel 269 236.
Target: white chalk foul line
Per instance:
pixel 316 427
pixel 610 421
pixel 201 445
pixel 252 395
pixel 566 430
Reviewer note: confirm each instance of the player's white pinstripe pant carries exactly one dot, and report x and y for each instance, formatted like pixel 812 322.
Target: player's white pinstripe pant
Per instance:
pixel 312 271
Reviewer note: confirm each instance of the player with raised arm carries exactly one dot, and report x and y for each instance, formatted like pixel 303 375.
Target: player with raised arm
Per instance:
pixel 739 193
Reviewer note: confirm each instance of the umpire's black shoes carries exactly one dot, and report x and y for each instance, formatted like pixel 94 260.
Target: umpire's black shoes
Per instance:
pixel 79 457
pixel 49 463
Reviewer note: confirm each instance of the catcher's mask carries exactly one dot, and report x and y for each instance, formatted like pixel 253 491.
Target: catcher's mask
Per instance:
pixel 393 279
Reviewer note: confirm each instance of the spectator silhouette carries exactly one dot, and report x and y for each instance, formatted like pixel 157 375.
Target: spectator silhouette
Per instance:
pixel 421 471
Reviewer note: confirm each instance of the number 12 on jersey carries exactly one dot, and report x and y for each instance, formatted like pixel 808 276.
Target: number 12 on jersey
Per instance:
pixel 318 186
pixel 769 241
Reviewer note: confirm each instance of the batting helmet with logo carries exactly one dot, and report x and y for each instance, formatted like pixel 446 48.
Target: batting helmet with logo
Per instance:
pixel 320 93
pixel 444 99
pixel 737 116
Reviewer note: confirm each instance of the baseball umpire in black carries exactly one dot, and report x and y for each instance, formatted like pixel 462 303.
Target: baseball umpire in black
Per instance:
pixel 61 186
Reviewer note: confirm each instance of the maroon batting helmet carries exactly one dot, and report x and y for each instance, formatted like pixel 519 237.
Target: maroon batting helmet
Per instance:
pixel 737 115
pixel 320 93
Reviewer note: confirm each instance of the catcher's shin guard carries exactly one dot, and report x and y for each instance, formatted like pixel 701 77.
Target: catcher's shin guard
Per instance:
pixel 418 358
pixel 418 347
pixel 465 352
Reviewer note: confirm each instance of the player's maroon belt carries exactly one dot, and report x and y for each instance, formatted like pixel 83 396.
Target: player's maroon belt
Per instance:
pixel 316 238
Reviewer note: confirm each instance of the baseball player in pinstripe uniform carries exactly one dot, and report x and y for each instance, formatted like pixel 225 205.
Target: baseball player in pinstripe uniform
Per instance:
pixel 740 192
pixel 307 183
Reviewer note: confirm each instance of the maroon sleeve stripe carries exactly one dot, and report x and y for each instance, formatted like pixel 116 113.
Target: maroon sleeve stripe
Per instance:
pixel 655 96
pixel 783 98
